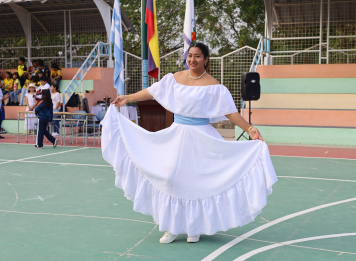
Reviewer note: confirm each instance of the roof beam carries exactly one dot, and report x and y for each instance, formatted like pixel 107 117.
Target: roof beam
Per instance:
pixel 39 22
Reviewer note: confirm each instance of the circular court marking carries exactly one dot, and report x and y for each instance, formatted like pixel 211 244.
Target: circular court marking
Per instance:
pixel 262 249
pixel 225 247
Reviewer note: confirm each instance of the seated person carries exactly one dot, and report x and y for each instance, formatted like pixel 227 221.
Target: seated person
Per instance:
pixel 8 83
pixel 17 90
pixel 44 86
pixel 33 69
pixel 44 69
pixel 56 74
pixel 21 70
pixel 28 80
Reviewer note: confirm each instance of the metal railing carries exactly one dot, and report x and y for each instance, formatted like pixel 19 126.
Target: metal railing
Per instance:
pixel 100 50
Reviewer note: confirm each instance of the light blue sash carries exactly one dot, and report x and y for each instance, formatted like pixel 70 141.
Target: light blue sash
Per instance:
pixel 190 121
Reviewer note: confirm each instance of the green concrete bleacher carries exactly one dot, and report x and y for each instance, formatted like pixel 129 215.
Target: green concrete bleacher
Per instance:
pixel 306 104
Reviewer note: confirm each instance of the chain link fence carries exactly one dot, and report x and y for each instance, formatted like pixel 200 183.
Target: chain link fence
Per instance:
pixel 313 32
pixel 226 69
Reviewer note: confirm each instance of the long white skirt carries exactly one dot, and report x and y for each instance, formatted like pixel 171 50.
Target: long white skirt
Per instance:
pixel 188 178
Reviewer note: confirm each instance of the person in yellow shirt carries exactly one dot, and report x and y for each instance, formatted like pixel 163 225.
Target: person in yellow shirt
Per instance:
pixel 21 70
pixel 28 80
pixel 56 74
pixel 8 83
pixel 14 101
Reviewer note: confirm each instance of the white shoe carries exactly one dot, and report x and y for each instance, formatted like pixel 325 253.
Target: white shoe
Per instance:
pixel 193 239
pixel 55 134
pixel 167 238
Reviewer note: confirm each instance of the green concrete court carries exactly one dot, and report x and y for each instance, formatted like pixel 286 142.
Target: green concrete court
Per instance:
pixel 71 210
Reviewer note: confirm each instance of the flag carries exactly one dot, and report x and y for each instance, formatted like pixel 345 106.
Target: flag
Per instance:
pixel 116 39
pixel 189 31
pixel 152 38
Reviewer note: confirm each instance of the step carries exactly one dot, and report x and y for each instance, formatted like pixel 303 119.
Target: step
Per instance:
pixel 308 85
pixel 88 85
pixel 306 135
pixel 320 118
pixel 308 71
pixel 305 101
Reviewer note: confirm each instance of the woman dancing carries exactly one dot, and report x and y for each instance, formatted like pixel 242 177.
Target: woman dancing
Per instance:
pixel 187 177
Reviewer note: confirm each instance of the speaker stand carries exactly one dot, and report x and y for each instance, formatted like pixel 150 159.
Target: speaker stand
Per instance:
pixel 249 121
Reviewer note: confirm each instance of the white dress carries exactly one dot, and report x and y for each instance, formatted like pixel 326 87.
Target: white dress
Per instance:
pixel 187 177
pixel 30 123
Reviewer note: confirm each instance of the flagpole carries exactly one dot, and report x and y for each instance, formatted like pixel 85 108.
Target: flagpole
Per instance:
pixel 144 55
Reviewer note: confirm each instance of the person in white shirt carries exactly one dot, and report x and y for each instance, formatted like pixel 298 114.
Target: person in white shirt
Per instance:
pixel 56 100
pixel 44 85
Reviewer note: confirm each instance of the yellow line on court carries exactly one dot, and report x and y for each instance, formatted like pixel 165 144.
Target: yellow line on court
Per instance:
pixel 69 215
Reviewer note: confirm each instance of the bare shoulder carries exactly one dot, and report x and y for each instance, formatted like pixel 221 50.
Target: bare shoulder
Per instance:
pixel 210 80
pixel 180 75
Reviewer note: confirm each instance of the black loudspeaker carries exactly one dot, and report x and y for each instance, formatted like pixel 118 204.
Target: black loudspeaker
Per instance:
pixel 250 86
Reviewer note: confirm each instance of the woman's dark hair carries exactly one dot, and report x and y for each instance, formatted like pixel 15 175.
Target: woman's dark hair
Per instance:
pixel 46 97
pixel 44 78
pixel 22 59
pixel 205 50
pixel 9 73
pixel 16 73
pixel 55 66
pixel 55 85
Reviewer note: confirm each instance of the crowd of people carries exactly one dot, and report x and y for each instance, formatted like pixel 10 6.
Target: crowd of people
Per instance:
pixel 32 83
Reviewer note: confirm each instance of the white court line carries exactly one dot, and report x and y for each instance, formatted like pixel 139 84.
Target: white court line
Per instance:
pixel 225 247
pixel 61 163
pixel 68 215
pixel 293 177
pixel 308 157
pixel 9 161
pixel 262 249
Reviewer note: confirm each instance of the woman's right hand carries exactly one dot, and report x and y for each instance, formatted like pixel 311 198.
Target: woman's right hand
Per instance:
pixel 120 100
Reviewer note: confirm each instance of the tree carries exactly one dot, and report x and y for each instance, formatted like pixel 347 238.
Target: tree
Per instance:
pixel 224 25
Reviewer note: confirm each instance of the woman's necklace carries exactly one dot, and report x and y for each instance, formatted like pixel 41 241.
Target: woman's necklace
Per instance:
pixel 197 77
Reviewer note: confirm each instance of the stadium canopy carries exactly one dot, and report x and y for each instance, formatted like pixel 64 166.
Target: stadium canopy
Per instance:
pixel 63 31
pixel 323 27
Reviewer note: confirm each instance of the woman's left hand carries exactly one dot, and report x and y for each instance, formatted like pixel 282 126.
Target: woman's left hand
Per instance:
pixel 255 134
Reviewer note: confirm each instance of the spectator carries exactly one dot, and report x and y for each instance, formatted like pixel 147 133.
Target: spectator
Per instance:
pixel 33 69
pixel 44 112
pixel 8 83
pixel 45 70
pixel 31 103
pixel 56 100
pixel 2 98
pixel 16 91
pixel 28 80
pixel 21 70
pixel 56 74
pixel 44 85
pixel 37 78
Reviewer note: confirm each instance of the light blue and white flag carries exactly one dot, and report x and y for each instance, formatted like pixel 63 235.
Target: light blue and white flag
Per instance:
pixel 189 31
pixel 116 39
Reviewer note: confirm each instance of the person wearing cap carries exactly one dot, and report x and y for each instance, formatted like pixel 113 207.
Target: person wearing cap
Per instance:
pixel 31 103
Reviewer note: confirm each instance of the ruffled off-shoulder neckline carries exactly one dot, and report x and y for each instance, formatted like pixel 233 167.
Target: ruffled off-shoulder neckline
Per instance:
pixel 175 81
